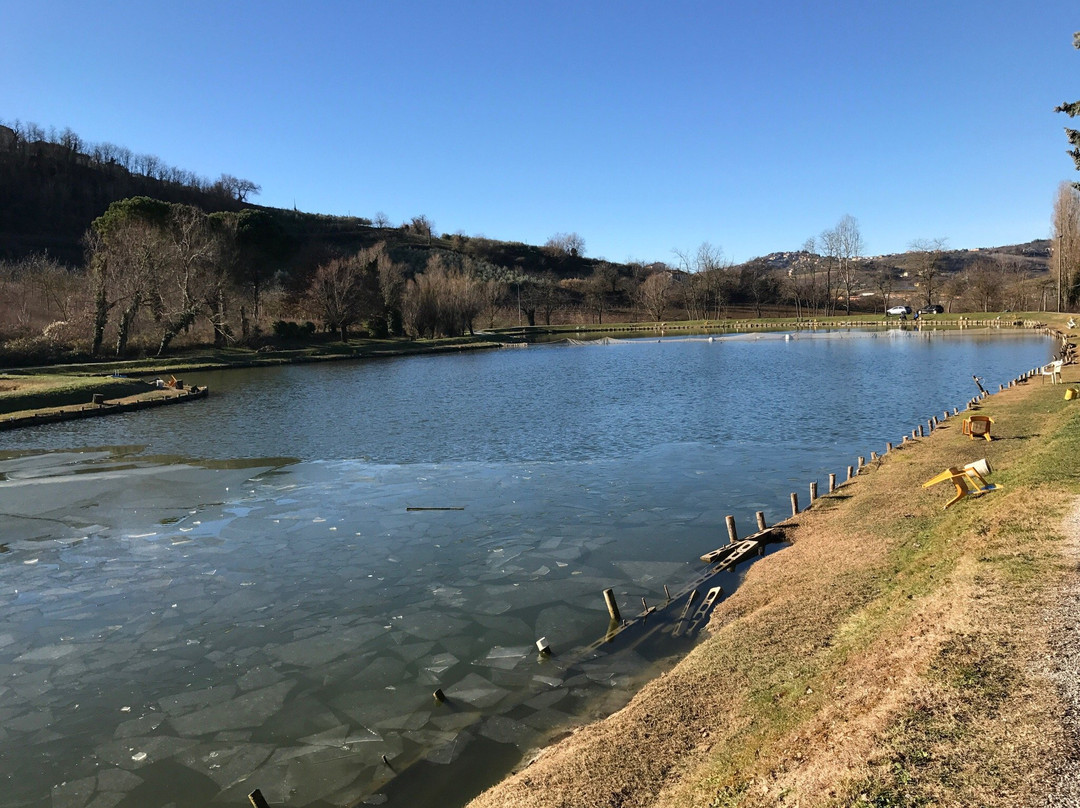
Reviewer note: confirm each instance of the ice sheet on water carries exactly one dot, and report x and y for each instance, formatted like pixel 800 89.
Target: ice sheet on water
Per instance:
pixel 118 780
pixel 456 721
pixel 544 721
pixel 298 776
pixel 310 652
pixel 134 753
pixel 189 700
pixel 107 799
pixel 32 721
pixel 505 628
pixel 384 671
pixel 563 624
pixel 248 710
pixel 74 793
pixel 477 691
pixel 331 737
pixel 505 730
pixel 410 652
pixel 408 721
pixel 543 701
pixel 652 575
pixel 48 653
pixel 440 663
pixel 504 658
pixel 431 625
pixel 259 676
pixel 225 764
pixel 450 751
pixel 143 725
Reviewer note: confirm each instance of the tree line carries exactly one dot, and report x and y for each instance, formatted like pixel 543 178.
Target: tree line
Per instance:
pixel 31 139
pixel 160 274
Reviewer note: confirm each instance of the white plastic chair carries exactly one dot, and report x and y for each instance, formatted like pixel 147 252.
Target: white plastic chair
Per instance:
pixel 1053 370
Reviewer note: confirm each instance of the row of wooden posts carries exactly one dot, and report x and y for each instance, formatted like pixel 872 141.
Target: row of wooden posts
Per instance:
pixel 736 549
pixel 764 532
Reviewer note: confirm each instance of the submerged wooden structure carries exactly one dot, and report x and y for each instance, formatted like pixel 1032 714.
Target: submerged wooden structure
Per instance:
pixel 155 398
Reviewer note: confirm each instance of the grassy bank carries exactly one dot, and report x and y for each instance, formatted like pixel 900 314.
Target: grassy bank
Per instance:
pixel 34 389
pixel 894 655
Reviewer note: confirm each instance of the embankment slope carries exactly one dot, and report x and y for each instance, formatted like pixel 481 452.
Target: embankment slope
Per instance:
pixel 896 654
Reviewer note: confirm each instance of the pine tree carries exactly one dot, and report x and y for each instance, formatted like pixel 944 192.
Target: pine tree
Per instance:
pixel 1072 110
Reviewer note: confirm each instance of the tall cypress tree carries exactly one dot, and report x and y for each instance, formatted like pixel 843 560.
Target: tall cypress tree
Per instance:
pixel 1072 110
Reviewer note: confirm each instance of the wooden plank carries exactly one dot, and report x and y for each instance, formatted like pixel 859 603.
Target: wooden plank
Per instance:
pixel 722 554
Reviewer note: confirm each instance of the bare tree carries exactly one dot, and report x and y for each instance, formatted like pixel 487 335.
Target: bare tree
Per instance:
pixel 758 282
pixel 829 243
pixel 843 245
pixel 549 297
pixel 236 188
pixel 565 244
pixel 421 226
pixel 654 294
pixel 703 267
pixel 1066 244
pixel 193 272
pixel 381 220
pixel 985 282
pixel 342 290
pixel 885 283
pixel 927 257
pixel 443 300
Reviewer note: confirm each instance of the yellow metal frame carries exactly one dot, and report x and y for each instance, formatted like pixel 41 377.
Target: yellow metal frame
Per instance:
pixel 962 478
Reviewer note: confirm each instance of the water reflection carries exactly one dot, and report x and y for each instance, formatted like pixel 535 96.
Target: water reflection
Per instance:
pixel 199 629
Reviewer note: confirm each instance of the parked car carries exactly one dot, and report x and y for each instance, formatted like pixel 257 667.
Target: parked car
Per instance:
pixel 935 309
pixel 898 310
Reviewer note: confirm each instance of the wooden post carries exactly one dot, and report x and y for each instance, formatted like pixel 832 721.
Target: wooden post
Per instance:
pixel 794 504
pixel 888 448
pixel 761 520
pixel 955 410
pixel 732 535
pixel 850 472
pixel 257 800
pixel 921 434
pixel 813 492
pixel 914 434
pixel 862 462
pixel 612 606
pixel 873 456
pixel 832 483
pixel 930 425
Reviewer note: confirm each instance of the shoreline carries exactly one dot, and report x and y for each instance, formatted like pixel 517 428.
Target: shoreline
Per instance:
pixel 895 654
pixel 227 359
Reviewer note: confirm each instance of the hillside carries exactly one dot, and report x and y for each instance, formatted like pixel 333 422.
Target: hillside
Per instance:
pixel 54 190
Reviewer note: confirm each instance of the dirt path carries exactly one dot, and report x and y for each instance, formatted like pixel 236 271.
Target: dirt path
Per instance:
pixel 1063 666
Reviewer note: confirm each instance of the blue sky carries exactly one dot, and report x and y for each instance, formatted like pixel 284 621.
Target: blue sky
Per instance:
pixel 642 126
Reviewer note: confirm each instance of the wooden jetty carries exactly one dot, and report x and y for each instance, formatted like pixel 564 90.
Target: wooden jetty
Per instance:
pixel 156 398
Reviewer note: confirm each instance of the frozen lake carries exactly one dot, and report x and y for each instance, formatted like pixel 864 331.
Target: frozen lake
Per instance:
pixel 211 598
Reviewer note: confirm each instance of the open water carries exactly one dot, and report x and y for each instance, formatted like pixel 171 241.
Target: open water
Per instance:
pixel 234 594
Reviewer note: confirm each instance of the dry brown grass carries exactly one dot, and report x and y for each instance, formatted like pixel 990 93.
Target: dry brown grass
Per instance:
pixel 890 657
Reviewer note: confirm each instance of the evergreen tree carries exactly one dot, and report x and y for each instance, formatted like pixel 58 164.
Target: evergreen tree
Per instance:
pixel 1072 110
